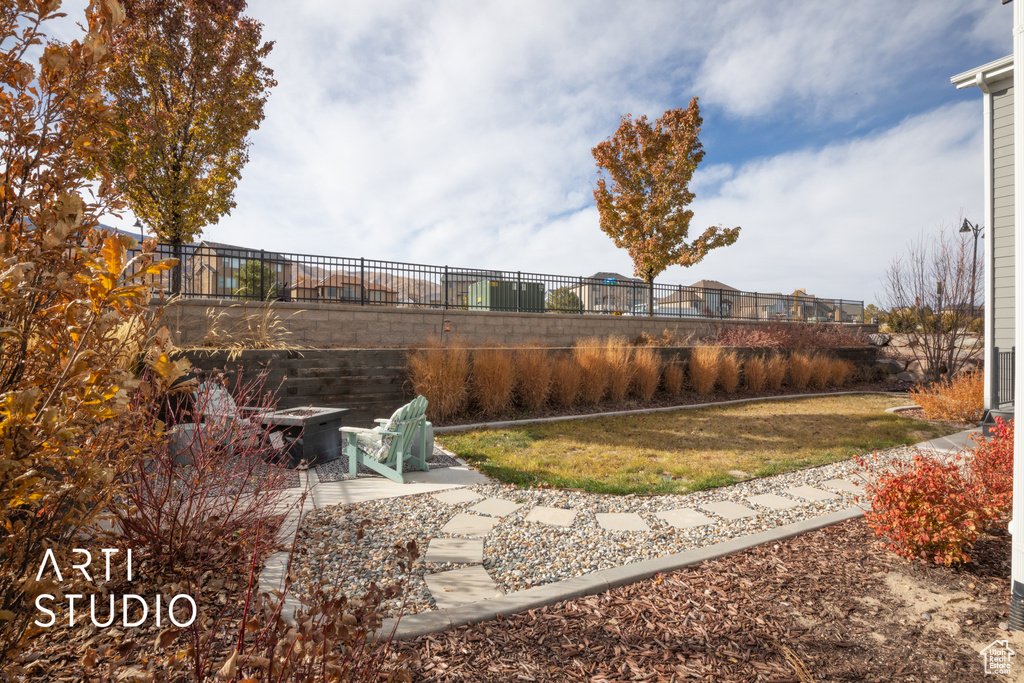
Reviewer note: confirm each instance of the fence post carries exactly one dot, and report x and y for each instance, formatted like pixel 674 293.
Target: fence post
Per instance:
pixel 519 290
pixel 362 281
pixel 580 297
pixel 444 293
pixel 721 304
pixel 263 260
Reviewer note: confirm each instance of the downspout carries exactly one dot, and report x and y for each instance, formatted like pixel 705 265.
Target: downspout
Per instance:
pixel 992 379
pixel 1017 525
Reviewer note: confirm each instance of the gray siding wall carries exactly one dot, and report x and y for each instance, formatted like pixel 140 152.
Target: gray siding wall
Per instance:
pixel 1002 216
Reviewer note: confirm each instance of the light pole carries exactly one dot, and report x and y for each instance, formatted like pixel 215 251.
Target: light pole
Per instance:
pixel 976 229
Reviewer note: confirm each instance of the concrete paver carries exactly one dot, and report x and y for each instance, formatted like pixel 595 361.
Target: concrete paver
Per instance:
pixel 685 518
pixel 621 521
pixel 551 516
pixel 461 586
pixel 809 493
pixel 455 550
pixel 457 496
pixel 775 502
pixel 496 507
pixel 464 524
pixel 845 485
pixel 729 510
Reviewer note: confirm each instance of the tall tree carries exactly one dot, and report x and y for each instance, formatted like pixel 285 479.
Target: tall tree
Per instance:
pixel 644 209
pixel 188 85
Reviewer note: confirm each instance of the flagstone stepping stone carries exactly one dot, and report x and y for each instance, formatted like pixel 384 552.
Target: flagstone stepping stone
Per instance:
pixel 460 586
pixel 464 524
pixel 621 521
pixel 495 507
pixel 684 518
pixel 456 496
pixel 845 485
pixel 455 550
pixel 770 500
pixel 809 493
pixel 729 510
pixel 551 516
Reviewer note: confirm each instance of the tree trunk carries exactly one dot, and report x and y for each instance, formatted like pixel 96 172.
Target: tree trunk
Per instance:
pixel 176 251
pixel 650 294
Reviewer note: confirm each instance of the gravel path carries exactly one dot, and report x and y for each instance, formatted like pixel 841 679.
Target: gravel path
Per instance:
pixel 519 554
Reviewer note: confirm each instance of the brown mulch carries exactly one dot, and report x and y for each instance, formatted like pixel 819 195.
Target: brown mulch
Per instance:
pixel 829 605
pixel 662 400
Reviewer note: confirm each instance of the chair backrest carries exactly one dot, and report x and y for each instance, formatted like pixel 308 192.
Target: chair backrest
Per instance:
pixel 215 402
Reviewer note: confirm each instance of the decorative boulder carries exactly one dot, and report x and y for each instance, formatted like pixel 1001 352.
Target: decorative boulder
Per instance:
pixel 879 339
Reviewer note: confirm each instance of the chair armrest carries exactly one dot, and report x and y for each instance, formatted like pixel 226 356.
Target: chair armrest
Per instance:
pixel 382 420
pixel 356 430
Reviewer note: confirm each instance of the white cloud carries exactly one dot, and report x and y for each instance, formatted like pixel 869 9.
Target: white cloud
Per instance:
pixel 830 220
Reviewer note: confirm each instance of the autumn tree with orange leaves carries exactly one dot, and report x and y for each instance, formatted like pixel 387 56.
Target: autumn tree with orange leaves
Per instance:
pixel 188 85
pixel 643 198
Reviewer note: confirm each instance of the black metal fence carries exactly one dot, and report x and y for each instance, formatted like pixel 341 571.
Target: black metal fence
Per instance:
pixel 221 271
pixel 1004 374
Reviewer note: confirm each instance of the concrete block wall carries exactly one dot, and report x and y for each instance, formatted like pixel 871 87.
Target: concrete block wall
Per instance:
pixel 317 325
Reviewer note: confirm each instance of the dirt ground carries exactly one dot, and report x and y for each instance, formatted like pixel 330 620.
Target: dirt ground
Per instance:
pixel 830 605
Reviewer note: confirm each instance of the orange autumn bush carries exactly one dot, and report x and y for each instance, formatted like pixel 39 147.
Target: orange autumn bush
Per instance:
pixel 958 399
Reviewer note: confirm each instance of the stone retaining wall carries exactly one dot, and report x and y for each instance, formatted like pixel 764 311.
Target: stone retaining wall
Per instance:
pixel 319 325
pixel 372 382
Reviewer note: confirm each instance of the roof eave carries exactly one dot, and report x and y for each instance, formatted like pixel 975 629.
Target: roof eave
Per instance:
pixel 986 73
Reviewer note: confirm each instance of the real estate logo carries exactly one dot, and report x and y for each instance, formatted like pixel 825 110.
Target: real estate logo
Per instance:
pixel 997 657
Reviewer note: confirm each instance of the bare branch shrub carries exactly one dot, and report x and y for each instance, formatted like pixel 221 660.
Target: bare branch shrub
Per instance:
pixel 930 288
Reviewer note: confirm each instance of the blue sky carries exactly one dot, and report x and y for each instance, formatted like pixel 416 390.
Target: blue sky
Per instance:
pixel 459 132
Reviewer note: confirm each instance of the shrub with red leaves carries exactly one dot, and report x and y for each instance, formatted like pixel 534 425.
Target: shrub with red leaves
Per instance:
pixel 928 510
pixel 992 469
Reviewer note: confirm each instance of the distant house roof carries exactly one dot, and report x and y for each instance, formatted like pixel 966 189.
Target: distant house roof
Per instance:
pixel 618 277
pixel 304 283
pixel 234 251
pixel 713 284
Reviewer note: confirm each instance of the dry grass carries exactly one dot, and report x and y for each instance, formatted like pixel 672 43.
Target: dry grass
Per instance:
pixel 842 372
pixel 565 382
pixel 646 372
pixel 960 399
pixel 821 371
pixel 441 374
pixel 729 372
pixel 674 378
pixel 533 377
pixel 775 372
pixel 686 450
pixel 754 374
pixel 264 329
pixel 492 380
pixel 798 374
pixel 593 370
pixel 617 352
pixel 704 364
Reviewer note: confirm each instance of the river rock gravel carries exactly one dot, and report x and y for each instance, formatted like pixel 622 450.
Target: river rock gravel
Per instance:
pixel 519 554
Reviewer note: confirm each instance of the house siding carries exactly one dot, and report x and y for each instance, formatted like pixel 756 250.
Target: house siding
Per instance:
pixel 1002 215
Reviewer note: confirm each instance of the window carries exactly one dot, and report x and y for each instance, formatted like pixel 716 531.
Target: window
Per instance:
pixel 226 282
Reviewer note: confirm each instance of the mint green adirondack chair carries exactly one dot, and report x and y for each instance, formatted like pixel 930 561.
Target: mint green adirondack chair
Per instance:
pixel 388 446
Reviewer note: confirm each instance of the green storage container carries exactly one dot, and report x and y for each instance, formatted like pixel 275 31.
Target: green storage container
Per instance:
pixel 504 295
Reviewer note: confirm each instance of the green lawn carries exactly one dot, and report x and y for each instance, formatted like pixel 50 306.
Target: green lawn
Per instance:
pixel 689 450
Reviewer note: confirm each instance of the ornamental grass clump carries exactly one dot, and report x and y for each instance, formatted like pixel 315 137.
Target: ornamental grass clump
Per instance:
pixel 820 371
pixel 959 399
pixel 729 372
pixel 646 372
pixel 593 368
pixel 798 374
pixel 674 379
pixel 491 381
pixel 705 362
pixel 533 377
pixel 565 382
pixel 754 374
pixel 775 369
pixel 441 375
pixel 617 353
pixel 841 372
